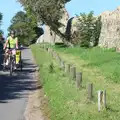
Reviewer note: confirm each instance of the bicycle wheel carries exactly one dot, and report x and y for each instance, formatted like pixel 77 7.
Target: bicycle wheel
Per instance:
pixel 11 66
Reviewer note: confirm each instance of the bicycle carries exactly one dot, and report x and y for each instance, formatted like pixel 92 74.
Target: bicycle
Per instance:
pixel 10 62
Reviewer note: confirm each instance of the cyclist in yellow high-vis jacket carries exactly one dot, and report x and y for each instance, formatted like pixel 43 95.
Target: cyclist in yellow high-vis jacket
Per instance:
pixel 11 43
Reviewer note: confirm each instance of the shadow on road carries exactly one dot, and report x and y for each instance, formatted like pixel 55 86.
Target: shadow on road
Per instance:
pixel 19 84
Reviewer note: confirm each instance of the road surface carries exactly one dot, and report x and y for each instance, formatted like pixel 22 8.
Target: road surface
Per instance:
pixel 14 90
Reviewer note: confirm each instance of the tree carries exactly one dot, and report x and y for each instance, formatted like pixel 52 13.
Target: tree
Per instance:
pixel 89 28
pixel 1 17
pixel 48 11
pixel 24 26
pixel 1 33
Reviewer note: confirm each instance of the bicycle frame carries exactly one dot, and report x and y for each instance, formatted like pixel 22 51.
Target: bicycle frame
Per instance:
pixel 11 61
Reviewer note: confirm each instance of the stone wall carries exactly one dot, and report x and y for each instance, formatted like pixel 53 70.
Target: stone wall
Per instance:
pixel 110 32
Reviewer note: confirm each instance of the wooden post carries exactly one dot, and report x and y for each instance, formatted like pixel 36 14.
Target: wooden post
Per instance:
pixel 67 68
pixel 62 66
pixel 104 99
pixel 73 72
pixel 79 80
pixel 48 50
pixel 59 60
pixel 43 46
pixel 101 100
pixel 90 91
pixel 55 55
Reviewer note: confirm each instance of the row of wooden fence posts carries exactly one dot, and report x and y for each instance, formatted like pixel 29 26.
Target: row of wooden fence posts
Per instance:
pixel 77 76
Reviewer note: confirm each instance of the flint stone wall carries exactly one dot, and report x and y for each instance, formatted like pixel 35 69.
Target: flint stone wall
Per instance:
pixel 110 32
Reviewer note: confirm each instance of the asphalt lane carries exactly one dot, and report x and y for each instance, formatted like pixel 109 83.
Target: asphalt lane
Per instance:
pixel 14 90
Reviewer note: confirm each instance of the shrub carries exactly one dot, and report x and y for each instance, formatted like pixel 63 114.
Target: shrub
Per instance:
pixel 89 28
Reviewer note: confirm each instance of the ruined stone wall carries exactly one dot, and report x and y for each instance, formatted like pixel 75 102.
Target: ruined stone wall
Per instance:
pixel 110 32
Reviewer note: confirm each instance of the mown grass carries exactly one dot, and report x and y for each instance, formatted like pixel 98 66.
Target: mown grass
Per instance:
pixel 65 101
pixel 107 61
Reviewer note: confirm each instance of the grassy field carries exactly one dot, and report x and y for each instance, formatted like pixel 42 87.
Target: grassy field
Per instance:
pixel 107 61
pixel 99 66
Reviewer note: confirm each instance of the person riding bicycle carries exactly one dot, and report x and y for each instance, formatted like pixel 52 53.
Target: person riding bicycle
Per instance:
pixel 11 44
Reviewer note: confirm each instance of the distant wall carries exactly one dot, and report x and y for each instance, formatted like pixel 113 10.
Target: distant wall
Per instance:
pixel 110 32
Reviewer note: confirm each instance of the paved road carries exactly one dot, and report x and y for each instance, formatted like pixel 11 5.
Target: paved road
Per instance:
pixel 14 90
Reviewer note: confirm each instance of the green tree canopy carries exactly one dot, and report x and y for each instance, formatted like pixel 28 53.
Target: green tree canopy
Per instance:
pixel 24 25
pixel 89 28
pixel 1 16
pixel 49 12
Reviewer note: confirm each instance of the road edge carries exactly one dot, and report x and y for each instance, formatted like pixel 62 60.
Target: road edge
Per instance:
pixel 37 104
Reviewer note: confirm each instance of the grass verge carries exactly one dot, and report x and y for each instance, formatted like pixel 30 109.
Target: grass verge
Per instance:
pixel 106 60
pixel 65 101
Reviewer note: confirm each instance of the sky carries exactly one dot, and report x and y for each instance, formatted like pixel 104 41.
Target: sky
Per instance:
pixel 98 6
pixel 9 7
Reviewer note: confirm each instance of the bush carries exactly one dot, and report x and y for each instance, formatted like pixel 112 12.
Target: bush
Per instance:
pixel 89 28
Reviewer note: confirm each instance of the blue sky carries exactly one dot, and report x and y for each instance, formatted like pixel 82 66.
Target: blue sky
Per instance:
pixel 98 6
pixel 10 7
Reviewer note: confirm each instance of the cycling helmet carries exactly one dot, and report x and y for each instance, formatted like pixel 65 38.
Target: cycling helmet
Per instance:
pixel 12 32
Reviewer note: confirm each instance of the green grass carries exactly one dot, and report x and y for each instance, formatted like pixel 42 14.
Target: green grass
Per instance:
pixel 107 61
pixel 68 103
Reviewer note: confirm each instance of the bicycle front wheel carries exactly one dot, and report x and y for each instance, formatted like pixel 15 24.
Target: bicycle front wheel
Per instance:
pixel 11 67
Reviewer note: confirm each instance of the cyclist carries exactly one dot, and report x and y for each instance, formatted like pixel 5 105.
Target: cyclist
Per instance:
pixel 11 43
